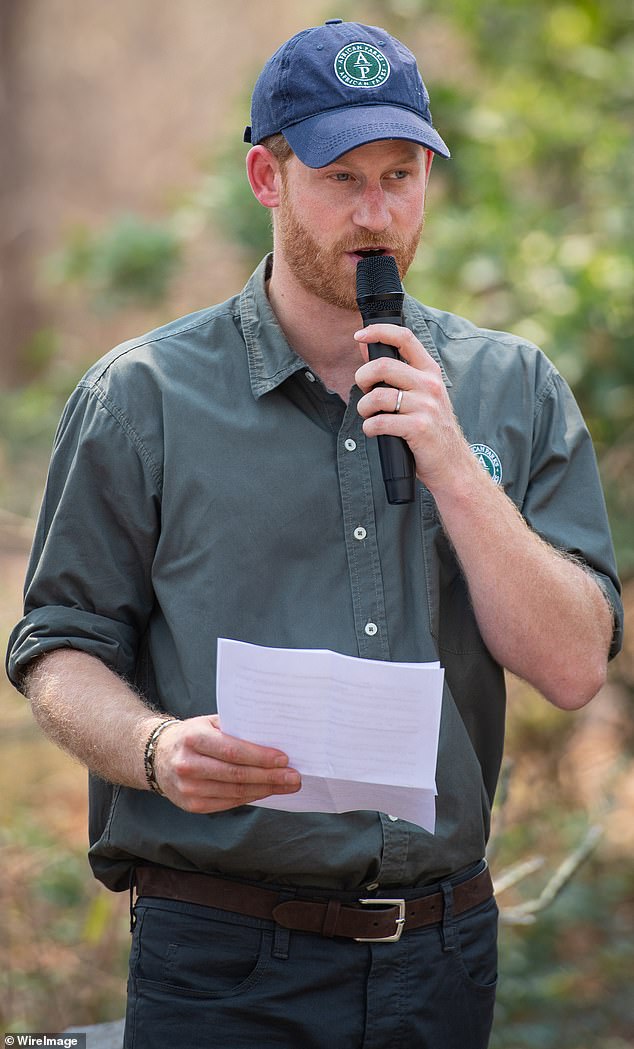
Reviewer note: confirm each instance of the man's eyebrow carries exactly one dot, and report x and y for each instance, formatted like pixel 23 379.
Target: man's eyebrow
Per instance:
pixel 408 152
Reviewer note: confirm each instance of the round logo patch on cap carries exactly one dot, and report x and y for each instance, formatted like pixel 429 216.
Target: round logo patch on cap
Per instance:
pixel 489 459
pixel 361 65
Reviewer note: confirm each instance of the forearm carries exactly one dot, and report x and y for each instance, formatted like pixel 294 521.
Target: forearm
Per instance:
pixel 95 716
pixel 540 613
pixel 90 712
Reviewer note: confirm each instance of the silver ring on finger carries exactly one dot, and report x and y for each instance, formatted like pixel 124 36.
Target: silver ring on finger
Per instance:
pixel 398 402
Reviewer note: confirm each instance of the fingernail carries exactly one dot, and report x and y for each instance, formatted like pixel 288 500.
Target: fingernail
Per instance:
pixel 359 333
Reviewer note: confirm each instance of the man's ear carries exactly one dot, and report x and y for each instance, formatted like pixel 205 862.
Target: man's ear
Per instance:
pixel 428 162
pixel 263 172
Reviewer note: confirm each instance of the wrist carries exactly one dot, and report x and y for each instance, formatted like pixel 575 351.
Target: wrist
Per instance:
pixel 149 753
pixel 462 487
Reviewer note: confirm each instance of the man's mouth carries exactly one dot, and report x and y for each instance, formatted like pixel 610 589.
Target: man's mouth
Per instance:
pixel 368 253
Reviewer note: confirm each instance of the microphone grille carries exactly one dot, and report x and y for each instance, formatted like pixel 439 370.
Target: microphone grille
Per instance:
pixel 378 275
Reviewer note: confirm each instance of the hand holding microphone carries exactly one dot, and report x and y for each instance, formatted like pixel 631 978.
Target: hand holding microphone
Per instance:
pixel 380 299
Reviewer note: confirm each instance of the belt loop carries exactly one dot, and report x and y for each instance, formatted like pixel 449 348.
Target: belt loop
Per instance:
pixel 448 929
pixel 282 936
pixel 132 887
pixel 330 918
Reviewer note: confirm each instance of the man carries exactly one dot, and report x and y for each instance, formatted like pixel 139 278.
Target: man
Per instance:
pixel 220 477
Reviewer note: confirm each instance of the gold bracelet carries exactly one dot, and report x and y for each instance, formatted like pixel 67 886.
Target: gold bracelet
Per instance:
pixel 150 754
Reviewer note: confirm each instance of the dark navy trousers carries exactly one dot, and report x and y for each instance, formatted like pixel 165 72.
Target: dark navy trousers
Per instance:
pixel 202 978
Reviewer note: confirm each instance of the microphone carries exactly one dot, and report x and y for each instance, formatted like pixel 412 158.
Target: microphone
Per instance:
pixel 380 299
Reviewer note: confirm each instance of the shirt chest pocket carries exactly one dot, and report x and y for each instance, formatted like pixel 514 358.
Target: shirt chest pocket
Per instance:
pixel 453 623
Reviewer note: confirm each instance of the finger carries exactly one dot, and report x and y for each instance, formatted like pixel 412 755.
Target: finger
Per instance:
pixel 201 803
pixel 388 423
pixel 227 777
pixel 385 370
pixel 384 399
pixel 207 738
pixel 403 339
pixel 239 795
pixel 200 784
pixel 245 791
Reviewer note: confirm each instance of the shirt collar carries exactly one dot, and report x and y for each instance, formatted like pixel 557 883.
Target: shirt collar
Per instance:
pixel 414 315
pixel 271 359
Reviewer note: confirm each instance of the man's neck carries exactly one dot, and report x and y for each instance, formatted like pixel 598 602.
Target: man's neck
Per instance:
pixel 321 334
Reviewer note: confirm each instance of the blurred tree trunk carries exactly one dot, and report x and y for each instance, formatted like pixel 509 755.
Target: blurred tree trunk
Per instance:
pixel 19 312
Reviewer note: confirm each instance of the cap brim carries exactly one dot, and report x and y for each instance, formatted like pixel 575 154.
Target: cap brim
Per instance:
pixel 321 139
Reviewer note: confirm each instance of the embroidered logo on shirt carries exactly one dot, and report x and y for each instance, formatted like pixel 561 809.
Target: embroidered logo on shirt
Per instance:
pixel 489 459
pixel 361 65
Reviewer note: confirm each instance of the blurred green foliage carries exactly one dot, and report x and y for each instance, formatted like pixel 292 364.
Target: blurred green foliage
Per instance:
pixel 131 261
pixel 65 940
pixel 580 951
pixel 534 229
pixel 28 418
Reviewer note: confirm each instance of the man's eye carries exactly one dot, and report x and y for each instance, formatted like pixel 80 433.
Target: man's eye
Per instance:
pixel 340 176
pixel 399 174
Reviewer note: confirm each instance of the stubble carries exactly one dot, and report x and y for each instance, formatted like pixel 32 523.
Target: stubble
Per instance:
pixel 322 269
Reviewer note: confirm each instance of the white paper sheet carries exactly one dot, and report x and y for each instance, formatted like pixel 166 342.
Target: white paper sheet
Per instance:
pixel 362 733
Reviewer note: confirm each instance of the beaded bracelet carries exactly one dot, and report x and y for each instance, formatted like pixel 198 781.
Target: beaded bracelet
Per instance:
pixel 150 754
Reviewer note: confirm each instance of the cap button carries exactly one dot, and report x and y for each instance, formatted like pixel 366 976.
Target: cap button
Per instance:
pixel 334 21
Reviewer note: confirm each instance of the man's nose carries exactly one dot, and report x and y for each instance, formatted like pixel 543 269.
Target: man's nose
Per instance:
pixel 371 210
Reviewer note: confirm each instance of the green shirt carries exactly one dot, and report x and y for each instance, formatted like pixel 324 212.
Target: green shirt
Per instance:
pixel 205 483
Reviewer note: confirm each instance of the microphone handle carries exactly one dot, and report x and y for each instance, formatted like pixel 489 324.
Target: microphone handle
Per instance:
pixel 397 461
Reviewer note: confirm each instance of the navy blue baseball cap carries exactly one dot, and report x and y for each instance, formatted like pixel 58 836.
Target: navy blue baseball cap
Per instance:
pixel 339 86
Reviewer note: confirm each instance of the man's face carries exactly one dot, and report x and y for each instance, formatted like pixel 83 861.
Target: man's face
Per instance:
pixel 370 200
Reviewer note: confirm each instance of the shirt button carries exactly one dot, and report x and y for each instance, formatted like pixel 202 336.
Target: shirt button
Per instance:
pixel 371 629
pixel 360 533
pixel 350 445
pixel 372 886
pixel 310 376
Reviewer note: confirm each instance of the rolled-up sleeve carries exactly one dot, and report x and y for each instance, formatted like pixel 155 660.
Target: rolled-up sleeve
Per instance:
pixel 564 500
pixel 88 584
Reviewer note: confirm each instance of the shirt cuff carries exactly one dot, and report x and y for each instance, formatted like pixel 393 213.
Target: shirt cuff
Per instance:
pixel 55 626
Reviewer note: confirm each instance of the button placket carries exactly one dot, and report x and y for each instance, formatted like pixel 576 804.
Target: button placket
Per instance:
pixel 357 503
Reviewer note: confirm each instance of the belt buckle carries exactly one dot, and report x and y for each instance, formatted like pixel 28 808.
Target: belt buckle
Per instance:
pixel 400 921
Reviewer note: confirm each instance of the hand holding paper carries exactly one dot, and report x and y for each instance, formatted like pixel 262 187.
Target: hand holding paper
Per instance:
pixel 362 733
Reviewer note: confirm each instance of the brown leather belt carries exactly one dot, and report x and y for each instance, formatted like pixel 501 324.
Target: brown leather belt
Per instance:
pixel 375 919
